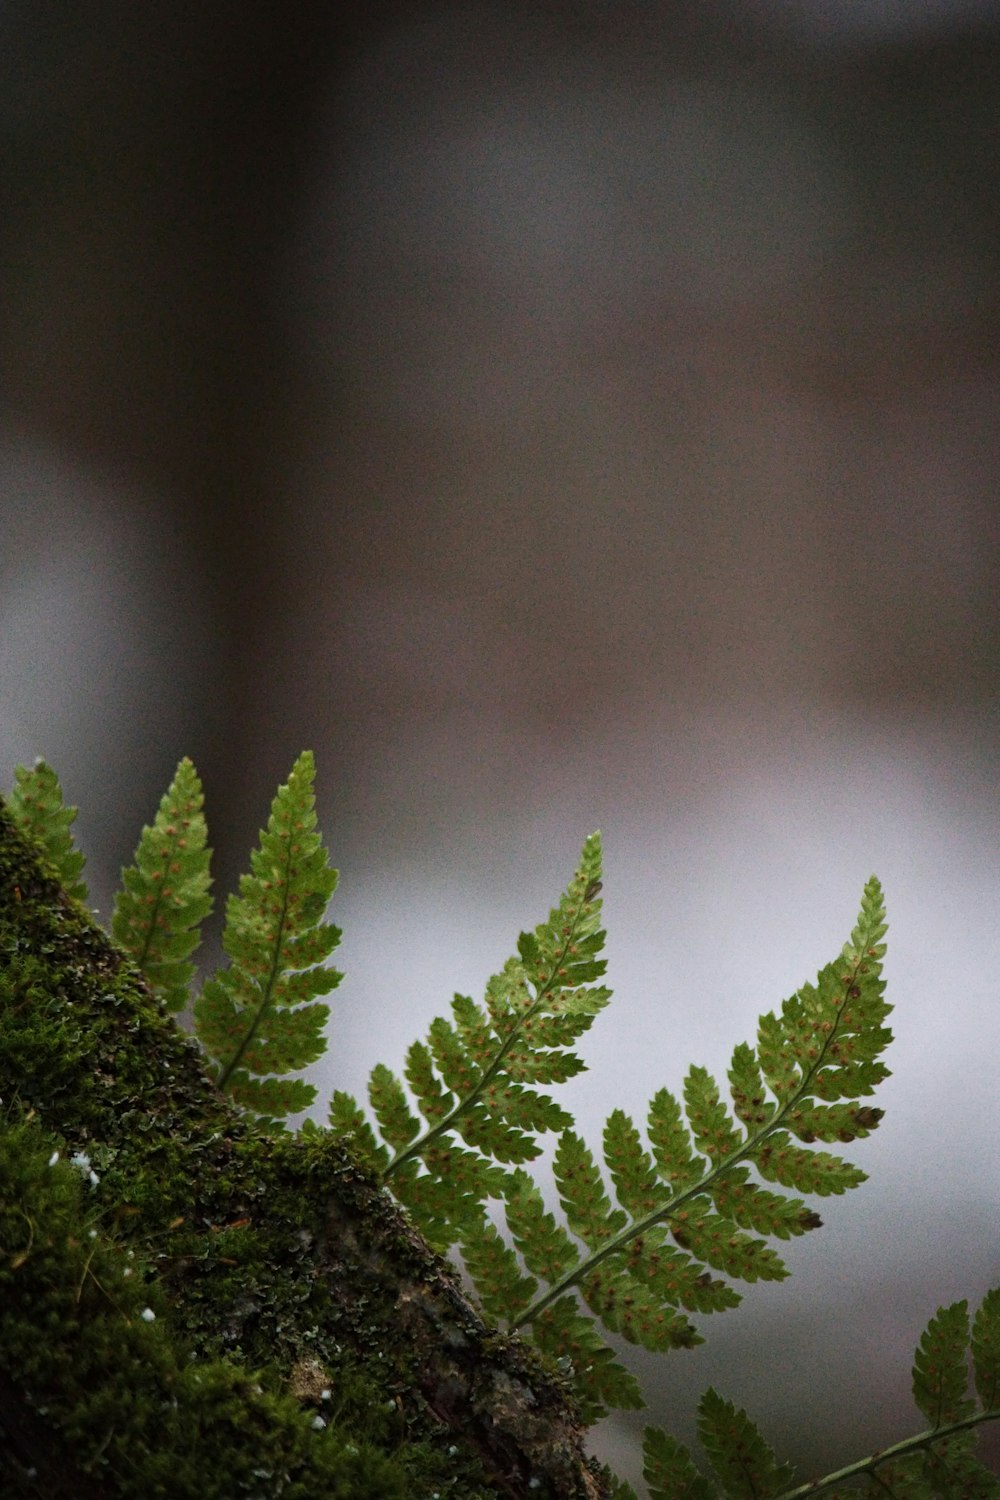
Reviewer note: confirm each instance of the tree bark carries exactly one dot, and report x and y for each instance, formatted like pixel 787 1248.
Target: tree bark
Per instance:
pixel 279 1264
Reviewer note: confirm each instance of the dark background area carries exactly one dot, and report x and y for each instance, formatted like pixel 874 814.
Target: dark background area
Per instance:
pixel 555 416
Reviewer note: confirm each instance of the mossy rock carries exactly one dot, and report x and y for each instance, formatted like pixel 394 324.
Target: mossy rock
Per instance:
pixel 199 1308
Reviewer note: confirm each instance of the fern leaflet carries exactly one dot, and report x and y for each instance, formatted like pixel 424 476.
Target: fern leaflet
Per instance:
pixel 258 1019
pixel 669 1470
pixel 986 1350
pixel 165 894
pixel 940 1379
pixel 37 804
pixel 745 1465
pixel 470 1100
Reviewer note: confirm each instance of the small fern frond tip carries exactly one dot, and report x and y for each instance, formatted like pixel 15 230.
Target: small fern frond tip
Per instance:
pixel 259 1019
pixel 164 896
pixel 36 802
pixel 471 1098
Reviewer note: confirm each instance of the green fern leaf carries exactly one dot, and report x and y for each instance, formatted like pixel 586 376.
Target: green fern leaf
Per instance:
pixel 600 1382
pixel 433 1100
pixel 346 1118
pixel 952 1470
pixel 671 1142
pixel 753 1207
pixel 777 1160
pixel 778 1061
pixel 165 895
pixel 468 1173
pixel 446 1207
pixel 502 1289
pixel 387 1098
pixel 746 1085
pixel 744 1463
pixel 36 802
pixel 832 1122
pixel 674 1276
pixel 457 1068
pixel 637 1185
pixel 631 1278
pixel 627 1305
pixel 259 1016
pixel 669 1469
pixel 585 1203
pixel 524 1108
pixel 474 1077
pixel 714 1131
pixel 492 1134
pixel 939 1464
pixel 271 1099
pixel 940 1377
pixel 473 1023
pixel 903 1478
pixel 525 1066
pixel 717 1241
pixel 547 1249
pixel 986 1350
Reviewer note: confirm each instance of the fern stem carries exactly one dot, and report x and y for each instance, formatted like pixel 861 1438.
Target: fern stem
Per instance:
pixel 874 1461
pixel 624 1237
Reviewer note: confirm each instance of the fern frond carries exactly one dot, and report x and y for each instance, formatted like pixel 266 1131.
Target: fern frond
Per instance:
pixel 165 895
pixel 745 1465
pixel 445 1206
pixel 671 1142
pixel 36 801
pixel 628 1305
pixel 694 1181
pixel 620 1489
pixel 714 1131
pixel 476 1077
pixel 777 1160
pixel 674 1276
pixel 637 1186
pixel 259 1018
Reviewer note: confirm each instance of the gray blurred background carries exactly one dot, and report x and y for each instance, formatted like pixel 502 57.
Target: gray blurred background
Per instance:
pixel 556 416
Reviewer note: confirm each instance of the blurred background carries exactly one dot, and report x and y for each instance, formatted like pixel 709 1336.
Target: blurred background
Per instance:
pixel 555 416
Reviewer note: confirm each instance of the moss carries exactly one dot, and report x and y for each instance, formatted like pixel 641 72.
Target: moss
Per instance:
pixel 136 1408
